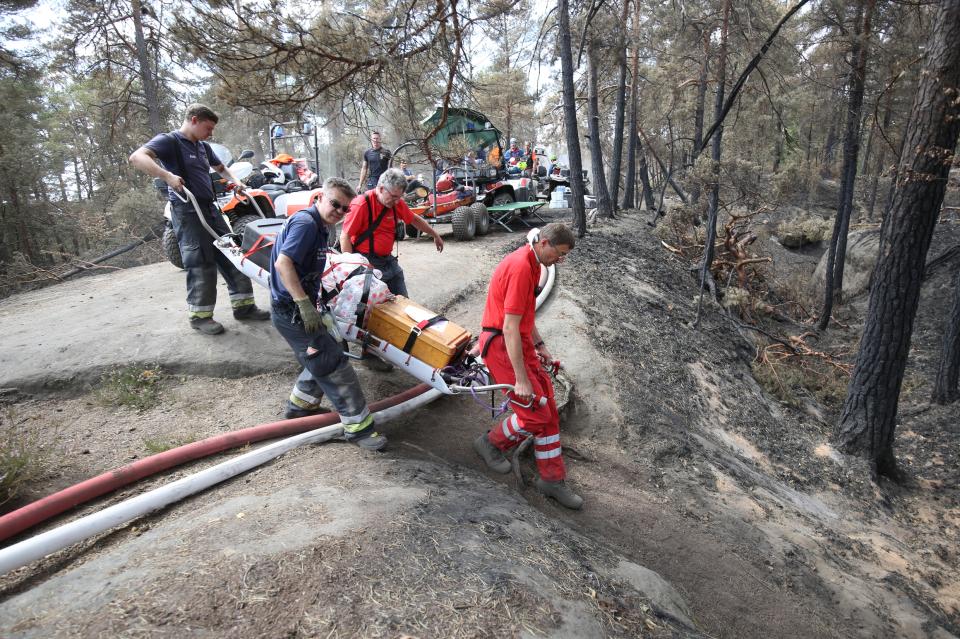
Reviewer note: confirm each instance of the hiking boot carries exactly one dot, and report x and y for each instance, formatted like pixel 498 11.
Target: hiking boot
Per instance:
pixel 491 454
pixel 374 363
pixel 368 440
pixel 293 412
pixel 561 492
pixel 206 325
pixel 250 313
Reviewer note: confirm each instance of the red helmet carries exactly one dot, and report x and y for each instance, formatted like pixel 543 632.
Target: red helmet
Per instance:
pixel 445 183
pixel 513 161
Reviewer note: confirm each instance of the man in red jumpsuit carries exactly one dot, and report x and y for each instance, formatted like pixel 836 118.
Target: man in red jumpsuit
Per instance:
pixel 515 354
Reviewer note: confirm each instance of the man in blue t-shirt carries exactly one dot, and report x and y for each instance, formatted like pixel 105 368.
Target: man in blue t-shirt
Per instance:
pixel 373 163
pixel 298 259
pixel 185 161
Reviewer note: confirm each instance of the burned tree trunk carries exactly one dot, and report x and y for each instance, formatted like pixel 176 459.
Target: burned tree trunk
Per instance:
pixel 851 148
pixel 945 387
pixel 604 208
pixel 868 420
pixel 620 109
pixel 570 119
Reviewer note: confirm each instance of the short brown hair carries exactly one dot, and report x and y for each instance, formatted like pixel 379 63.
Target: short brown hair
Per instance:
pixel 558 235
pixel 201 112
pixel 339 184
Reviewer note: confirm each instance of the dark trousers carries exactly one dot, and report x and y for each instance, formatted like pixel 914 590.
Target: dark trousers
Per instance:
pixel 392 272
pixel 202 260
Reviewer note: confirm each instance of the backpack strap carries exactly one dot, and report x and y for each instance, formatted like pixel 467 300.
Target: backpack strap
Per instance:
pixel 372 225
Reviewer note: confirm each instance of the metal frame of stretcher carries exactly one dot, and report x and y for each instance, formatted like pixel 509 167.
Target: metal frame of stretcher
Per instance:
pixel 502 214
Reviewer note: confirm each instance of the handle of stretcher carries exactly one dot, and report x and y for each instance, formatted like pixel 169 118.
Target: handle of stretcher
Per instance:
pixel 242 191
pixel 540 401
pixel 190 199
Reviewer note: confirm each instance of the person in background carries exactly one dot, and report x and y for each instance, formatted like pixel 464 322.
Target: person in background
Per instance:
pixel 298 258
pixel 373 163
pixel 513 152
pixel 184 161
pixel 407 173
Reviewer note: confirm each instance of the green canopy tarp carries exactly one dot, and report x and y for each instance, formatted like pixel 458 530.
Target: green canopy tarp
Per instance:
pixel 464 127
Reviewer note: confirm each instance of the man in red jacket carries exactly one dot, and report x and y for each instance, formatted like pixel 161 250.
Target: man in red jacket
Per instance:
pixel 514 353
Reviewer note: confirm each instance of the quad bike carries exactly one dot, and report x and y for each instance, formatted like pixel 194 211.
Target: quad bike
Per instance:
pixel 451 203
pixel 468 129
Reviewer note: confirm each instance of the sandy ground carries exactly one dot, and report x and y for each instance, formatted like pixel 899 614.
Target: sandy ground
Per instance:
pixel 712 509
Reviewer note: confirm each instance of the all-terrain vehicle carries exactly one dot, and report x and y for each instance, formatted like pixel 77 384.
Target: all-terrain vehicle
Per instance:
pixel 450 202
pixel 467 173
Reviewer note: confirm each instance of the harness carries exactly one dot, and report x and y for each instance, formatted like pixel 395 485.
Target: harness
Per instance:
pixel 367 234
pixel 494 332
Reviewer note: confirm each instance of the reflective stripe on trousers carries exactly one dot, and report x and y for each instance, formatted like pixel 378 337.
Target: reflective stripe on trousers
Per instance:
pixel 540 422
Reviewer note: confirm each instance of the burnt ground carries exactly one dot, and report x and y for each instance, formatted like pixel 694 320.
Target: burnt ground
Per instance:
pixel 689 465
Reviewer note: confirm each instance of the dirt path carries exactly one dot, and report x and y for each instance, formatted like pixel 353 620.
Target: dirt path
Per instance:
pixel 689 469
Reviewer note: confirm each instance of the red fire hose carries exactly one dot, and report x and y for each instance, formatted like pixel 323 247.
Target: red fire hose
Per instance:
pixel 59 502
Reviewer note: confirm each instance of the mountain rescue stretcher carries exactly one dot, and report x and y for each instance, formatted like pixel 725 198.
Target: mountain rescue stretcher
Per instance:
pixel 462 373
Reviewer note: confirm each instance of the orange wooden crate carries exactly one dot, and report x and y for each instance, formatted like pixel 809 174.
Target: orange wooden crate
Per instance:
pixel 389 321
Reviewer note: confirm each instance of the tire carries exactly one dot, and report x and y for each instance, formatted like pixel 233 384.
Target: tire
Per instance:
pixel 171 248
pixel 400 231
pixel 241 223
pixel 503 197
pixel 464 224
pixel 482 217
pixel 412 231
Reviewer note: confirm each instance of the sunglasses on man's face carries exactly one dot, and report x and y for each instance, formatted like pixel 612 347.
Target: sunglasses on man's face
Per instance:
pixel 337 206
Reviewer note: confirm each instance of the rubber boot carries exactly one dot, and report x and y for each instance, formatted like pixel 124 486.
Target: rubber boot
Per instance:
pixel 561 492
pixel 368 440
pixel 293 412
pixel 206 325
pixel 250 313
pixel 491 454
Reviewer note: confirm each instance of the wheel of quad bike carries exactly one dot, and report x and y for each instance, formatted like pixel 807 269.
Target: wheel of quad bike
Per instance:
pixel 241 223
pixel 482 217
pixel 400 231
pixel 412 231
pixel 464 223
pixel 171 248
pixel 503 197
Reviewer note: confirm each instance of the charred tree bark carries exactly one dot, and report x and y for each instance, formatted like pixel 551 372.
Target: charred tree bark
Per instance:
pixel 833 285
pixel 714 204
pixel 698 113
pixel 644 172
pixel 868 420
pixel 620 109
pixel 945 387
pixel 570 119
pixel 604 209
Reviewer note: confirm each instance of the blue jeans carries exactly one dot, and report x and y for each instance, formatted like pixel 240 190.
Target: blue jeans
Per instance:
pixel 392 272
pixel 342 385
pixel 202 260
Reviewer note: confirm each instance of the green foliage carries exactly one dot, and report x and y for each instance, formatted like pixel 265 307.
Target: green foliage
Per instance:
pixel 134 386
pixel 22 457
